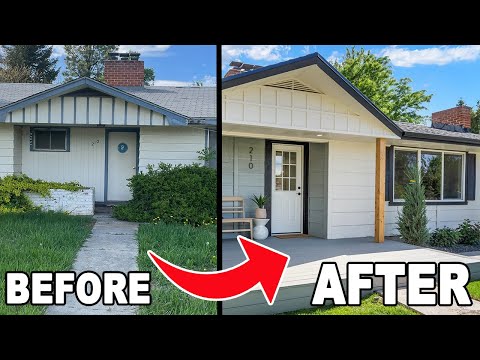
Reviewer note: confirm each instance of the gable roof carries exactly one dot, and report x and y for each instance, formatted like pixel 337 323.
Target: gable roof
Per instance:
pixel 325 66
pixel 179 105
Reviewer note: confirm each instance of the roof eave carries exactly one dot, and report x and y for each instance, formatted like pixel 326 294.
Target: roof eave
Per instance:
pixel 312 59
pixel 439 138
pixel 172 117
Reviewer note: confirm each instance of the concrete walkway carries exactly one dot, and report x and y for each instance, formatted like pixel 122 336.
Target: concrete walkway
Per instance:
pixel 111 247
pixel 440 310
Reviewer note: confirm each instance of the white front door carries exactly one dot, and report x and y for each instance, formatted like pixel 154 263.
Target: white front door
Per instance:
pixel 287 188
pixel 122 164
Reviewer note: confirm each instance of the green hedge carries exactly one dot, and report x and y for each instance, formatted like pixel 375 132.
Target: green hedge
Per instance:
pixel 173 194
pixel 13 187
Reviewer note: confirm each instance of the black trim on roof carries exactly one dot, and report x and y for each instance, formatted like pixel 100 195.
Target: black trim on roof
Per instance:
pixel 304 61
pixel 408 135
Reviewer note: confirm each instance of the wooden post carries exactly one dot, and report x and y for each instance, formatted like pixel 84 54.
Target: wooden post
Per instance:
pixel 380 191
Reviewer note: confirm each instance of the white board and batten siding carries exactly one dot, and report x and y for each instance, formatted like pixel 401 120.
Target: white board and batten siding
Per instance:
pixel 170 145
pixel 85 162
pixel 86 110
pixel 297 110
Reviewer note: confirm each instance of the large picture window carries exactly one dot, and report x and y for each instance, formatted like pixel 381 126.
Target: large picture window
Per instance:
pixel 49 139
pixel 443 173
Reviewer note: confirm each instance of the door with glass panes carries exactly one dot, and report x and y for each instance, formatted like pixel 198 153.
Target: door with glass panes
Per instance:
pixel 287 188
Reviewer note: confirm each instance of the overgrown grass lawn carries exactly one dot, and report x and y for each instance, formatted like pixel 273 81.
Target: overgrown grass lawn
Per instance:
pixel 474 289
pixel 371 305
pixel 183 245
pixel 38 242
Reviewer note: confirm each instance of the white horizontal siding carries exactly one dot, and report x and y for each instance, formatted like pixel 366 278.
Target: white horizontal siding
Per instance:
pixel 351 184
pixel 291 109
pixel 6 149
pixel 170 145
pixel 17 150
pixel 85 162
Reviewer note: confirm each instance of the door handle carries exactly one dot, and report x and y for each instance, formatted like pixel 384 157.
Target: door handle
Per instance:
pixel 299 193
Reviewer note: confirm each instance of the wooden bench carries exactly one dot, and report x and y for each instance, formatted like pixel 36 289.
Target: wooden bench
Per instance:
pixel 236 207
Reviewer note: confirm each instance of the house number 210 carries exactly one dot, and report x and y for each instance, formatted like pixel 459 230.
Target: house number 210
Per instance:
pixel 250 151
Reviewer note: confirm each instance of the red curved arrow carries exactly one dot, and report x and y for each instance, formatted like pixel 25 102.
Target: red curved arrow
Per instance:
pixel 263 265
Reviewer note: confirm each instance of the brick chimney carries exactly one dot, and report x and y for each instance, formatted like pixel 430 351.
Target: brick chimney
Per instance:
pixel 457 116
pixel 124 69
pixel 239 67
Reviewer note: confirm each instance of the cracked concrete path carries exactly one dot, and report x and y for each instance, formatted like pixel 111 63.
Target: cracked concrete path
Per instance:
pixel 112 246
pixel 441 310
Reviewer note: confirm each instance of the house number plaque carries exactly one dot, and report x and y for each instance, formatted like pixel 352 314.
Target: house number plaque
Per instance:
pixel 250 152
pixel 122 148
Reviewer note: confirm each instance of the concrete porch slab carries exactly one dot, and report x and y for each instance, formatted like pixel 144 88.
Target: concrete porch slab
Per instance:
pixel 306 255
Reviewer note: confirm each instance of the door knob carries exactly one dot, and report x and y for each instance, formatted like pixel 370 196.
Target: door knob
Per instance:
pixel 299 193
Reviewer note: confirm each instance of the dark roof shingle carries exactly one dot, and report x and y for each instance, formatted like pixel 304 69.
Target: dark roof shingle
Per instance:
pixel 410 128
pixel 192 102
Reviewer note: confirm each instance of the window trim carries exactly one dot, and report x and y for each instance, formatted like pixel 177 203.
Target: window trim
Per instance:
pixel 32 138
pixel 462 201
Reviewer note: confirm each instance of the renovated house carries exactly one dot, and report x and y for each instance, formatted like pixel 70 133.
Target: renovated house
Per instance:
pixel 331 163
pixel 102 133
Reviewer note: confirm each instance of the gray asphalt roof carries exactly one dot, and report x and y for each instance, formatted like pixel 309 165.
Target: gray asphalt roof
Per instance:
pixel 422 129
pixel 193 102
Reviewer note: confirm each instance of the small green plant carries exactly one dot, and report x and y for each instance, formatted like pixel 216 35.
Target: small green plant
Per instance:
pixel 206 154
pixel 445 237
pixel 260 200
pixel 13 188
pixel 412 221
pixel 469 233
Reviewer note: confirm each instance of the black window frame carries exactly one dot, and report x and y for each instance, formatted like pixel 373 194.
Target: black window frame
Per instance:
pixel 391 176
pixel 33 130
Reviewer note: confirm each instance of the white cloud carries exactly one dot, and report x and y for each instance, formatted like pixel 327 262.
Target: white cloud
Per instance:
pixel 206 80
pixel 58 51
pixel 254 52
pixel 145 50
pixel 334 56
pixel 440 55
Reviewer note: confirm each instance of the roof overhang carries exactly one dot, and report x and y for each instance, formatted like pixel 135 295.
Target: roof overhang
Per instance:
pixel 327 68
pixel 82 83
pixel 439 139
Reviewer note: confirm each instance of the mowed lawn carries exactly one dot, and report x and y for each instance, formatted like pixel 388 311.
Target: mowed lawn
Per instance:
pixel 38 242
pixel 371 305
pixel 474 290
pixel 185 246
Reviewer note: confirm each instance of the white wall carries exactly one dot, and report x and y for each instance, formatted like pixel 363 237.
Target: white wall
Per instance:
pixel 17 150
pixel 80 202
pixel 174 145
pixel 351 189
pixel 6 149
pixel 291 109
pixel 85 162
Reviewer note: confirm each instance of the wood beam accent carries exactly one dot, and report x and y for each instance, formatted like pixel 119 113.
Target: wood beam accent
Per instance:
pixel 380 190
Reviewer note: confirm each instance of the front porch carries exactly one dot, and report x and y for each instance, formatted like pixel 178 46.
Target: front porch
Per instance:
pixel 306 255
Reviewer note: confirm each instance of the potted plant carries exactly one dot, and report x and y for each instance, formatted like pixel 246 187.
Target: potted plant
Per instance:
pixel 260 201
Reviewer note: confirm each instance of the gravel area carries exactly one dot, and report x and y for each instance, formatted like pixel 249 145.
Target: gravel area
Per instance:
pixel 457 249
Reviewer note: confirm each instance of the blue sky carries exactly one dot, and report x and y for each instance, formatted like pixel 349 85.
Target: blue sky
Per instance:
pixel 176 65
pixel 448 72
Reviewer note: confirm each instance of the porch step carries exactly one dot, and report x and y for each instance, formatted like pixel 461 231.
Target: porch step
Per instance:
pixel 103 209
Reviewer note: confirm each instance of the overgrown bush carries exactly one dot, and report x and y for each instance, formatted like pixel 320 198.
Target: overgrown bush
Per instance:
pixel 13 188
pixel 173 194
pixel 412 221
pixel 445 237
pixel 469 233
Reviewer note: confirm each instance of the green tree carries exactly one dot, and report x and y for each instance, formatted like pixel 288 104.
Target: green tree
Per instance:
pixel 412 221
pixel 460 102
pixel 149 76
pixel 16 74
pixel 476 118
pixel 86 61
pixel 373 75
pixel 30 63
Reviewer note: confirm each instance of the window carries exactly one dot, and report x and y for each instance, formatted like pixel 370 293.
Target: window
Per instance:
pixel 443 173
pixel 49 139
pixel 285 170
